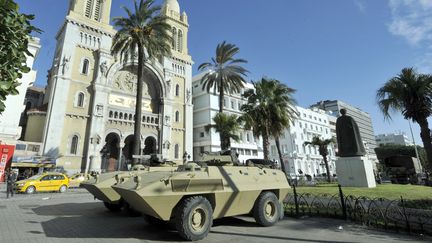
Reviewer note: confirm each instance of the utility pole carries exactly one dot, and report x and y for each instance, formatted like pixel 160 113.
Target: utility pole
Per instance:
pixel 415 146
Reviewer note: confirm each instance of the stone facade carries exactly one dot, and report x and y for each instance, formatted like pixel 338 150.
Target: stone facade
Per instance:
pixel 90 94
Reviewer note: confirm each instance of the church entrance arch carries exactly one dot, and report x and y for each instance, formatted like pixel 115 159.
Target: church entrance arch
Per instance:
pixel 150 146
pixel 128 150
pixel 110 152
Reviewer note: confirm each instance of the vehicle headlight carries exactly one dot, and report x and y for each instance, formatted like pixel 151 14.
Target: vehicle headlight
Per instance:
pixel 20 184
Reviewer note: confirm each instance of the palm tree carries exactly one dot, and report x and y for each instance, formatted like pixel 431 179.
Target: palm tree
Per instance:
pixel 411 94
pixel 323 151
pixel 269 111
pixel 227 126
pixel 147 31
pixel 283 113
pixel 224 75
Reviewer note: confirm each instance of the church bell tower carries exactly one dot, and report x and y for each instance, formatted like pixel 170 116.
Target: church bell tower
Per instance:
pixel 83 43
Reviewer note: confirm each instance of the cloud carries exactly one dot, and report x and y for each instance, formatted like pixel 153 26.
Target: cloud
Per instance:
pixel 360 5
pixel 412 20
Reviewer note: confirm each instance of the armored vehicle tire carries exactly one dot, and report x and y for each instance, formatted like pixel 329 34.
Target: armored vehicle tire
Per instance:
pixel 30 190
pixel 193 218
pixel 267 209
pixel 113 207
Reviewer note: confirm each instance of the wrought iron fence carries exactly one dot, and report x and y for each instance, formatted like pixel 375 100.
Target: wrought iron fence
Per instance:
pixel 397 215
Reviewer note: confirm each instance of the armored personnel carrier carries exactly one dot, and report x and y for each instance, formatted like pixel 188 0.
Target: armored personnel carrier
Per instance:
pixel 196 193
pixel 100 185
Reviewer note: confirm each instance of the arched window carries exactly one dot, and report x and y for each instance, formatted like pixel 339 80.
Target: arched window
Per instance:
pixel 85 66
pixel 176 151
pixel 177 116
pixel 74 145
pixel 174 34
pixel 88 8
pixel 80 99
pixel 177 91
pixel 111 114
pixel 180 41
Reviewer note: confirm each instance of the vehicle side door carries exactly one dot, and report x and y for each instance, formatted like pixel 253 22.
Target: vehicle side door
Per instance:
pixel 61 180
pixel 55 182
pixel 44 184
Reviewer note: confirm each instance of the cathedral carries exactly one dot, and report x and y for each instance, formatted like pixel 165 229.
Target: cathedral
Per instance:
pixel 87 122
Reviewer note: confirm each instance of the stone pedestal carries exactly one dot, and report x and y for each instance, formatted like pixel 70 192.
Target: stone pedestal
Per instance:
pixel 355 172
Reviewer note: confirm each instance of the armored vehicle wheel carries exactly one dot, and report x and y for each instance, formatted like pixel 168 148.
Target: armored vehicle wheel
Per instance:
pixel 30 190
pixel 193 218
pixel 113 207
pixel 267 209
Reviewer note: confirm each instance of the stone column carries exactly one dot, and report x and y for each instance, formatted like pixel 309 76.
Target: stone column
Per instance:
pixel 120 155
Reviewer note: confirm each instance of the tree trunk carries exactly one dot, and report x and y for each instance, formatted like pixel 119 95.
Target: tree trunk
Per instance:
pixel 280 154
pixel 426 139
pixel 266 144
pixel 225 142
pixel 323 152
pixel 138 106
pixel 221 98
pixel 327 167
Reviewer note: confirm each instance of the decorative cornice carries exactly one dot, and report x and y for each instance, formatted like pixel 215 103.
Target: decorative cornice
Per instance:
pixel 180 60
pixel 87 47
pixel 86 26
pixel 80 116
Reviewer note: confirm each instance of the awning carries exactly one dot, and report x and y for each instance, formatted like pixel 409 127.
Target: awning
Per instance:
pixel 32 165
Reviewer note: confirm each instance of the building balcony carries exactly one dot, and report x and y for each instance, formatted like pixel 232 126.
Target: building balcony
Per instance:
pixel 308 130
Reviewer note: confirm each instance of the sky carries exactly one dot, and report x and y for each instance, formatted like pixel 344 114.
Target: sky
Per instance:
pixel 326 50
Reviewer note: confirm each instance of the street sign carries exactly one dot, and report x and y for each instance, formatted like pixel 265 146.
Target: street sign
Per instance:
pixel 6 154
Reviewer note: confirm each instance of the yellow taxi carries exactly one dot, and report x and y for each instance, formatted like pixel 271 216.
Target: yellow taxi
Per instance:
pixel 76 179
pixel 51 181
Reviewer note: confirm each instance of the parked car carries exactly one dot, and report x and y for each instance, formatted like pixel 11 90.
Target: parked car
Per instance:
pixel 76 179
pixel 51 181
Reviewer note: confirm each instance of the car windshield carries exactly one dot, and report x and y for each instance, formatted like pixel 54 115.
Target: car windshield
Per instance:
pixel 35 177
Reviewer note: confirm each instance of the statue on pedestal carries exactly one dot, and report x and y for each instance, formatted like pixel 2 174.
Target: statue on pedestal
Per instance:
pixel 348 137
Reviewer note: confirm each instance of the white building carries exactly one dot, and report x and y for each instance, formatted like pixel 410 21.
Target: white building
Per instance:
pixel 206 106
pixel 10 131
pixel 298 157
pixel 393 138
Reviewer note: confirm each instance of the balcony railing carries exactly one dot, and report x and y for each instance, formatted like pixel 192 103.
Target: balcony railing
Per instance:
pixel 122 116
